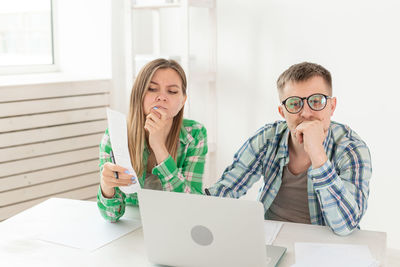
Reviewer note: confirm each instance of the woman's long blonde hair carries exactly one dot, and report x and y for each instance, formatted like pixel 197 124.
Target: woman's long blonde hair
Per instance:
pixel 136 117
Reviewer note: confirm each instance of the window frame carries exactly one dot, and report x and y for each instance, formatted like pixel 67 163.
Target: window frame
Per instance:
pixel 39 68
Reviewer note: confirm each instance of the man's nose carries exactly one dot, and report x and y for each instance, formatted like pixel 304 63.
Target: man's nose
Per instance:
pixel 306 111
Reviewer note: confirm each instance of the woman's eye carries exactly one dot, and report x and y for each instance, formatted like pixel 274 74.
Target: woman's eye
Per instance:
pixel 173 92
pixel 152 89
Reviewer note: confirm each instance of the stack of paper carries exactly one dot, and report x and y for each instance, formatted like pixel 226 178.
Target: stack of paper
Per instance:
pixel 333 255
pixel 81 225
pixel 78 225
pixel 271 229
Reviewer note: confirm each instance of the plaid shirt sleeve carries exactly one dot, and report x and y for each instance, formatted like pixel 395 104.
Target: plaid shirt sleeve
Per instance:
pixel 245 170
pixel 186 176
pixel 110 208
pixel 183 177
pixel 343 191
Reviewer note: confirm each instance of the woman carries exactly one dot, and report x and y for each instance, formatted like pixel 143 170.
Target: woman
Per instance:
pixel 166 151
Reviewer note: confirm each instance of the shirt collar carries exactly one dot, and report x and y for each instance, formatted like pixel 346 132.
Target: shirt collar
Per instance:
pixel 283 150
pixel 184 136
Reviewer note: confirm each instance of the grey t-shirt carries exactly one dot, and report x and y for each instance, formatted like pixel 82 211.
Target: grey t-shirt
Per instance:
pixel 291 202
pixel 152 182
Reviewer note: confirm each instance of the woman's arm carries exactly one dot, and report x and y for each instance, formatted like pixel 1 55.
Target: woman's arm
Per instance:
pixel 186 176
pixel 114 207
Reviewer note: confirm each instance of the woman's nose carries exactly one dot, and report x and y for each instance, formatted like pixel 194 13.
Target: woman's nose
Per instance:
pixel 161 97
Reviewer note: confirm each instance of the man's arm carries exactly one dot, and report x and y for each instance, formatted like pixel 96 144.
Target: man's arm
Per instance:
pixel 343 188
pixel 245 170
pixel 343 191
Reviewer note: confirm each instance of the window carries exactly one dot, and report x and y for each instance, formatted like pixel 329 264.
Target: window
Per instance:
pixel 26 36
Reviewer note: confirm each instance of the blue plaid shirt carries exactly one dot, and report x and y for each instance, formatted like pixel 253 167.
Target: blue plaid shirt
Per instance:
pixel 337 191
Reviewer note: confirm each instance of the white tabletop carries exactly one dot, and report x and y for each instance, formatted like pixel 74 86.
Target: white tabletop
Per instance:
pixel 20 250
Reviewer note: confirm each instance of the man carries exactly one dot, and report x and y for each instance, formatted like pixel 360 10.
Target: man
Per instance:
pixel 315 171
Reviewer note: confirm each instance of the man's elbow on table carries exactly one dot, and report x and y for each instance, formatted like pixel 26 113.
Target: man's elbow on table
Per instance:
pixel 343 230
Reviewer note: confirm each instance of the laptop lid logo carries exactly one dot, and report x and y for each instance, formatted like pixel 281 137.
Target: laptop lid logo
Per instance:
pixel 202 235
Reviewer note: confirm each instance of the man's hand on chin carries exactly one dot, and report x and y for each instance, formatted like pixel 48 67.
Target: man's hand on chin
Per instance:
pixel 312 135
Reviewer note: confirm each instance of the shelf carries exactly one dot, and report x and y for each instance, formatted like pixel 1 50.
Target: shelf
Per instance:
pixel 166 5
pixel 143 59
pixel 191 3
pixel 201 3
pixel 203 77
pixel 196 76
pixel 200 66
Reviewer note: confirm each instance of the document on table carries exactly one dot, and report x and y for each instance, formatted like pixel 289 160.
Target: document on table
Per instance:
pixel 80 224
pixel 333 255
pixel 117 129
pixel 271 229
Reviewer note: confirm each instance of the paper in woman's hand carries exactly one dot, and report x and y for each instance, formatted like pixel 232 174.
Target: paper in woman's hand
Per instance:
pixel 117 129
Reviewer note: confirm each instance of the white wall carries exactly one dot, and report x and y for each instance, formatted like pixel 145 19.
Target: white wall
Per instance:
pixel 83 34
pixel 357 41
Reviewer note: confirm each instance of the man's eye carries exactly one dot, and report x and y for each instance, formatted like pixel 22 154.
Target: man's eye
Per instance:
pixel 294 104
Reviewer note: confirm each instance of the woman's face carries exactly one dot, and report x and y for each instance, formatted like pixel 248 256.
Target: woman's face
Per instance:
pixel 165 92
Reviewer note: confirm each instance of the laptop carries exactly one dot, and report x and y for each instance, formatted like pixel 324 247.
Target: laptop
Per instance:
pixel 195 231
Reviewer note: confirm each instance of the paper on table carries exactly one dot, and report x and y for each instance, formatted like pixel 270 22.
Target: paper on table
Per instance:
pixel 333 255
pixel 89 233
pixel 271 229
pixel 119 142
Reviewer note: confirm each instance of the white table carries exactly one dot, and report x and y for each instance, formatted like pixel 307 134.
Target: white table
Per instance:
pixel 129 250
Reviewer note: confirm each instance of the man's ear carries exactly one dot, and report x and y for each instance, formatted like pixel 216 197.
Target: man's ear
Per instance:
pixel 280 110
pixel 333 105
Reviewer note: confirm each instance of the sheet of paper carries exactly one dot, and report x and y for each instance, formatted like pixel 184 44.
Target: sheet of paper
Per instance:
pixel 333 255
pixel 271 229
pixel 80 225
pixel 117 129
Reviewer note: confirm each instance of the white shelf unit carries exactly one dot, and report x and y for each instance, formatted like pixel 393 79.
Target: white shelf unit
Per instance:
pixel 193 27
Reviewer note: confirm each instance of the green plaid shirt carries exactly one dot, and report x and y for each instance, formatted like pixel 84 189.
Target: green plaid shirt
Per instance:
pixel 184 175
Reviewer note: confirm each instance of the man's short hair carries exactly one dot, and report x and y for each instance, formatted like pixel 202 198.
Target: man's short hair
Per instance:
pixel 302 72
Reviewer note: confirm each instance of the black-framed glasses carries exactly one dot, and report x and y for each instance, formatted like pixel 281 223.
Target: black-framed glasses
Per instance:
pixel 294 104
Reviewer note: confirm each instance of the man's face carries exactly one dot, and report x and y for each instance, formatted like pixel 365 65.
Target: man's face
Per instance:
pixel 314 85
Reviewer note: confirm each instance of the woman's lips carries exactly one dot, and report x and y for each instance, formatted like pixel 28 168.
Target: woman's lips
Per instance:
pixel 159 107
